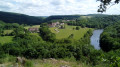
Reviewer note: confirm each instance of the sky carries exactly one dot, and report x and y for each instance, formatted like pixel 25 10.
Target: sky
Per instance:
pixel 55 7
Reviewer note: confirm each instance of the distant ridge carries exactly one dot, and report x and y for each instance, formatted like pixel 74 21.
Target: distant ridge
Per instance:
pixel 10 17
pixel 63 17
pixel 72 17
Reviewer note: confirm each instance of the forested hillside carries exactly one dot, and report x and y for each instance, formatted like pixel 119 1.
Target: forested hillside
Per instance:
pixel 19 18
pixel 96 21
pixel 90 20
pixel 110 38
pixel 62 17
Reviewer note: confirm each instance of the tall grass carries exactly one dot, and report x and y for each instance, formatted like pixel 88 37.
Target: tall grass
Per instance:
pixel 5 58
pixel 5 39
pixel 29 63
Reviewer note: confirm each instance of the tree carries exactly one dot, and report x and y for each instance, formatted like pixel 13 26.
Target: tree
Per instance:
pixel 62 27
pixel 31 53
pixel 71 36
pixel 47 35
pixel 105 3
pixel 44 25
pixel 77 28
pixel 19 32
pixel 1 32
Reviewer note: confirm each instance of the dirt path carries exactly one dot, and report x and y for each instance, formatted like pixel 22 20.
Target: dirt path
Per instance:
pixel 57 30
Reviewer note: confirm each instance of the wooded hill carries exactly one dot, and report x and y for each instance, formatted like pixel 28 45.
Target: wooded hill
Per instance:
pixel 73 17
pixel 63 17
pixel 19 18
pixel 90 20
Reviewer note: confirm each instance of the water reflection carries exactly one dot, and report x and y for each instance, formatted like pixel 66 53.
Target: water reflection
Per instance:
pixel 95 38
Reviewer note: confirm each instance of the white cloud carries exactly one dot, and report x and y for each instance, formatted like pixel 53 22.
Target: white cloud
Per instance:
pixel 54 7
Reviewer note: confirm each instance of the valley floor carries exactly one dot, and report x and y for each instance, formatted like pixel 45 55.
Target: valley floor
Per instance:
pixel 65 33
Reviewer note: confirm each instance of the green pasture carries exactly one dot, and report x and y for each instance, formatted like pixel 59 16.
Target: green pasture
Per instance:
pixel 34 26
pixel 65 33
pixel 5 39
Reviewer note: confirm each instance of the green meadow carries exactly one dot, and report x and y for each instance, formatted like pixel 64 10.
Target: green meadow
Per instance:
pixel 65 33
pixel 7 31
pixel 34 26
pixel 5 39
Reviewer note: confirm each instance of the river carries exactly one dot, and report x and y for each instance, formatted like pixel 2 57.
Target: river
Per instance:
pixel 95 38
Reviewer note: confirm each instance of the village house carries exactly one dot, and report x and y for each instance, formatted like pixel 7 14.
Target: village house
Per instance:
pixel 33 30
pixel 52 25
pixel 67 20
pixel 56 24
pixel 61 23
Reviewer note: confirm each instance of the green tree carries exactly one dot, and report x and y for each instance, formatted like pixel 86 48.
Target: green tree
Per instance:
pixel 12 49
pixel 47 35
pixel 71 36
pixel 105 3
pixel 31 53
pixel 77 28
pixel 44 25
pixel 1 32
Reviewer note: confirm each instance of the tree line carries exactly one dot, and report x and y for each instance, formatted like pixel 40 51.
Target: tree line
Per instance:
pixel 110 38
pixel 20 18
pixel 96 21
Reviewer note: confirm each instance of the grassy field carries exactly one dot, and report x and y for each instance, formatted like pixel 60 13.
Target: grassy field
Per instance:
pixel 7 31
pixel 48 63
pixel 36 26
pixel 52 63
pixel 86 16
pixel 58 63
pixel 5 39
pixel 62 63
pixel 65 33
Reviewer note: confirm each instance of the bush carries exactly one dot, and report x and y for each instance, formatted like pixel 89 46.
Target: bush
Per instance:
pixel 29 64
pixel 77 28
pixel 31 53
pixel 6 58
pixel 71 36
pixel 72 58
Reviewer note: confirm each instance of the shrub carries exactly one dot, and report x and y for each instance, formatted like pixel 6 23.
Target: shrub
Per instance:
pixel 29 64
pixel 77 28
